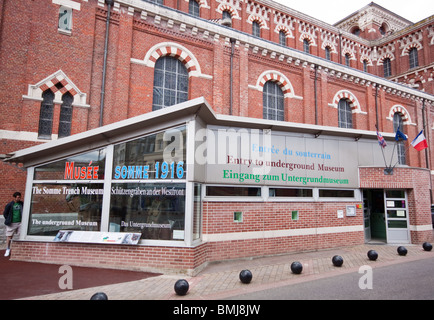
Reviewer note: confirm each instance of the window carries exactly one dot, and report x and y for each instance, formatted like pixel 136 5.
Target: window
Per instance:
pixel 273 102
pixel 170 83
pixel 387 68
pixel 156 209
pixel 345 114
pixel 290 193
pixel 63 197
pixel 194 8
pixel 356 31
pixel 46 115
pixel 365 65
pixel 256 29
pixel 306 46
pixel 282 38
pixel 65 19
pixel 157 1
pixel 333 193
pixel 65 115
pixel 328 53
pixel 348 60
pixel 225 192
pixel 414 59
pixel 383 29
pixel 226 15
pixel 399 124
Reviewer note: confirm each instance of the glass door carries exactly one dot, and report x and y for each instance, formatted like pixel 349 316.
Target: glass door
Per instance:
pixel 397 225
pixel 367 215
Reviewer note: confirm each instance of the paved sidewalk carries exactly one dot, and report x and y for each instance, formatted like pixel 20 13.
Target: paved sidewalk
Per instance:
pixel 221 280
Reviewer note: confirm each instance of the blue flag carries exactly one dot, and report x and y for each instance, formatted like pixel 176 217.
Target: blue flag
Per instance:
pixel 400 136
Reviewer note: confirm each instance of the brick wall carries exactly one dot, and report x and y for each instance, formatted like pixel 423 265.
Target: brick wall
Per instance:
pixel 417 183
pixel 266 218
pixel 140 258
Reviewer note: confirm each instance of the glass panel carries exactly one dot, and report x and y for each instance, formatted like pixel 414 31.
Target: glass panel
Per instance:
pixel 395 194
pixel 395 203
pixel 74 206
pixel 159 156
pixel 397 224
pixel 88 166
pixel 290 193
pixel 197 212
pixel 397 214
pixel 331 193
pixel 155 210
pixel 233 192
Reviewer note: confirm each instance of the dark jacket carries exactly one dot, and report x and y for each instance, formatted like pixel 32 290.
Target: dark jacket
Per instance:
pixel 8 213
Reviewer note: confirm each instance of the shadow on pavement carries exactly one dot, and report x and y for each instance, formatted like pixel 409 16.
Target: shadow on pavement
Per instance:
pixel 26 279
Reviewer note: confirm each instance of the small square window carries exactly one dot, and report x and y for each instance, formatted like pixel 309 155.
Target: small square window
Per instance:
pixel 294 215
pixel 238 216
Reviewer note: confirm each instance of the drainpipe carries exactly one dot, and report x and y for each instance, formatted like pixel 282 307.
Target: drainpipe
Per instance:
pixel 231 76
pixel 376 106
pixel 109 4
pixel 428 165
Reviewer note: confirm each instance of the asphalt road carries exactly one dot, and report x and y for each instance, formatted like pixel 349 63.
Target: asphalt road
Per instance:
pixel 406 281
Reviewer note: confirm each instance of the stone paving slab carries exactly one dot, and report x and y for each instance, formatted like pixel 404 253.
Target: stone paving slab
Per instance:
pixel 221 280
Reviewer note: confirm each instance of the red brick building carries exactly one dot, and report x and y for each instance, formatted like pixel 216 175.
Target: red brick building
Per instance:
pixel 70 67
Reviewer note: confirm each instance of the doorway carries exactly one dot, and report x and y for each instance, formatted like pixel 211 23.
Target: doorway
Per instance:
pixel 385 214
pixel 374 215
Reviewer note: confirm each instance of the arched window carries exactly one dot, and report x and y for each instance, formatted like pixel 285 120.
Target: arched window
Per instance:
pixel 273 102
pixel 46 115
pixel 282 38
pixel 345 116
pixel 194 8
pixel 413 57
pixel 170 83
pixel 398 124
pixel 226 18
pixel 306 46
pixel 365 65
pixel 347 60
pixel 256 29
pixel 356 31
pixel 65 115
pixel 328 53
pixel 387 68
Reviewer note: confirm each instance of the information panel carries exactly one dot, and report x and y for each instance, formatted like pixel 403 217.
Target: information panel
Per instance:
pixel 97 237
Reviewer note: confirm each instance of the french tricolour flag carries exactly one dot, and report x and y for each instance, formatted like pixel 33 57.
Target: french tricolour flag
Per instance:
pixel 419 143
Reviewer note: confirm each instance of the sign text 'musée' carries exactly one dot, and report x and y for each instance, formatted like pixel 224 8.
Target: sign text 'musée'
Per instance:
pixel 73 172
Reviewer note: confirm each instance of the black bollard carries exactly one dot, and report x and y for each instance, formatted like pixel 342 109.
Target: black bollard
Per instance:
pixel 372 255
pixel 402 251
pixel 246 276
pixel 337 261
pixel 99 296
pixel 427 246
pixel 296 267
pixel 181 287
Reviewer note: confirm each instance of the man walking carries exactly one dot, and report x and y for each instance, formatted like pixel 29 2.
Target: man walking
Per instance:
pixel 13 213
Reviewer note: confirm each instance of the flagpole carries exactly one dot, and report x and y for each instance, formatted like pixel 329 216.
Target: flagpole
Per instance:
pixel 382 149
pixel 405 153
pixel 393 152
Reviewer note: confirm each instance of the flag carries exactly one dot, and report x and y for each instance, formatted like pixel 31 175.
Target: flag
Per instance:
pixel 400 136
pixel 419 143
pixel 381 140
